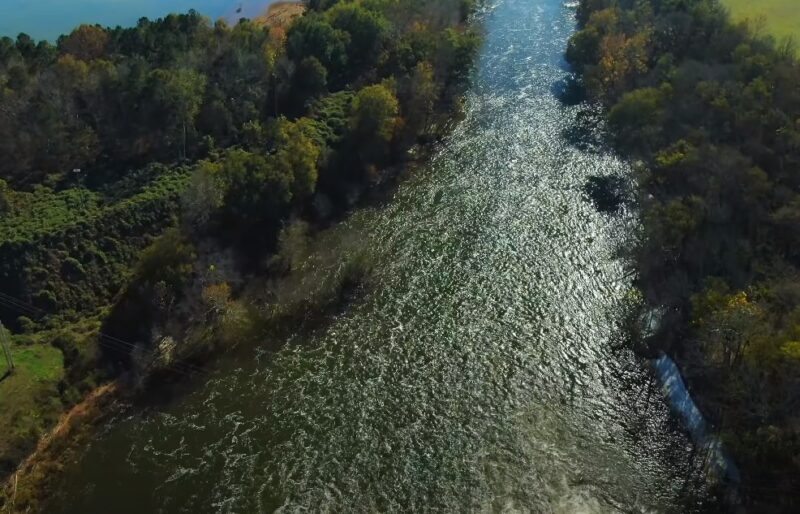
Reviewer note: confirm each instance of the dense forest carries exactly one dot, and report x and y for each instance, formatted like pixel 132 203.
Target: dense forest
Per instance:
pixel 152 176
pixel 710 113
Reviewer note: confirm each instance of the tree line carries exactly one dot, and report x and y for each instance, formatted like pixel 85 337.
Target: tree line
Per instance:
pixel 153 175
pixel 224 133
pixel 709 110
pixel 103 100
pixel 271 121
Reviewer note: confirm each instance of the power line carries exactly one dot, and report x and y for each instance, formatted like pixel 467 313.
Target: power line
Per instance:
pixel 106 340
pixel 18 304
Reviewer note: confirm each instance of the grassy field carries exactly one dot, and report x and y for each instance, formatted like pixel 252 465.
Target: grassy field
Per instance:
pixel 781 17
pixel 29 400
pixel 43 385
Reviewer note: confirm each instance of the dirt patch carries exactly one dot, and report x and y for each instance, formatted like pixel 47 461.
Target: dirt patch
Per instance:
pixel 281 14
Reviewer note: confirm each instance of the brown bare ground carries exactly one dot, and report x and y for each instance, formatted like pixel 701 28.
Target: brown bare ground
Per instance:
pixel 281 14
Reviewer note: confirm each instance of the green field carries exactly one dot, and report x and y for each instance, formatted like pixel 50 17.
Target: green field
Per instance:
pixel 30 402
pixel 43 385
pixel 781 17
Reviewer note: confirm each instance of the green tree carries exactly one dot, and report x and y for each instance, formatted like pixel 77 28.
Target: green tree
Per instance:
pixel 374 121
pixel 179 92
pixel 423 93
pixel 168 260
pixel 583 47
pixel 87 42
pixel 728 324
pixel 457 56
pixel 637 117
pixel 313 36
pixel 310 81
pixel 5 203
pixel 297 154
pixel 203 197
pixel 257 194
pixel 366 28
pixel 17 77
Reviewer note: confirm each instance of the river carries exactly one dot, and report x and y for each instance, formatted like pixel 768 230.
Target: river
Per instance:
pixel 482 371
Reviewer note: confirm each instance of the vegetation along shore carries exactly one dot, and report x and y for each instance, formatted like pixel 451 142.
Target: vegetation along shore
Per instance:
pixel 709 110
pixel 158 180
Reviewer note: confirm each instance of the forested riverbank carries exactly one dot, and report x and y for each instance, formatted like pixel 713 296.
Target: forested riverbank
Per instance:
pixel 709 110
pixel 483 366
pixel 158 180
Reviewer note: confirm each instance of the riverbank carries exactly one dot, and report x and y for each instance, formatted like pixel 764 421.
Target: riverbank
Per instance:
pixel 718 196
pixel 302 299
pixel 315 286
pixel 205 285
pixel 27 489
pixel 478 373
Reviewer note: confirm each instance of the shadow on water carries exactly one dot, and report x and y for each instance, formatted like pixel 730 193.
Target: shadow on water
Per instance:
pixel 563 64
pixel 587 133
pixel 569 91
pixel 608 193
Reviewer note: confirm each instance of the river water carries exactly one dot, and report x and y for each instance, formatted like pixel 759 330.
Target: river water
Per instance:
pixel 482 371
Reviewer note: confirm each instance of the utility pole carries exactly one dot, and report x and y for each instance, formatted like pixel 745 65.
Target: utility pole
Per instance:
pixel 6 348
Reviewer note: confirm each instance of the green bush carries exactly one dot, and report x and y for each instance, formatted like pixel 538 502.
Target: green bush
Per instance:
pixel 71 251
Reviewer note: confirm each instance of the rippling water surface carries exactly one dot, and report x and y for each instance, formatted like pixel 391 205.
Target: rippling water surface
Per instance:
pixel 478 374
